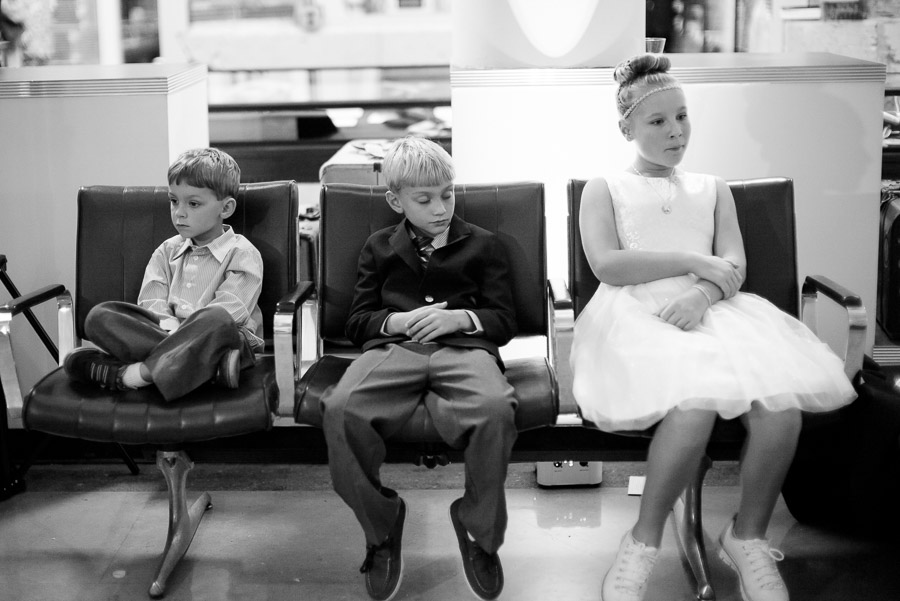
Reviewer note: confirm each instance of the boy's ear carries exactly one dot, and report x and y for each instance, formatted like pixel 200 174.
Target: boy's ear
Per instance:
pixel 625 129
pixel 228 207
pixel 393 201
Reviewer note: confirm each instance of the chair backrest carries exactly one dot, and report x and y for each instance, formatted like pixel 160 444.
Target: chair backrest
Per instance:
pixel 765 210
pixel 351 213
pixel 119 227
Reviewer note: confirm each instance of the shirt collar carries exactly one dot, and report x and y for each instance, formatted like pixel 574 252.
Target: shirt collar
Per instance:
pixel 218 248
pixel 436 242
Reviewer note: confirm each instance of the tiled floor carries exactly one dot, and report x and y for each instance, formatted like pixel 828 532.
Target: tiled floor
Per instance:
pixel 98 538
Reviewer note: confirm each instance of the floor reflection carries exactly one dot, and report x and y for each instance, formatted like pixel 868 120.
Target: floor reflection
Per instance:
pixel 306 544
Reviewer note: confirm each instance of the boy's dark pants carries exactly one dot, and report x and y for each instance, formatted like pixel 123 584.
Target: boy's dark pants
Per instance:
pixel 178 362
pixel 472 406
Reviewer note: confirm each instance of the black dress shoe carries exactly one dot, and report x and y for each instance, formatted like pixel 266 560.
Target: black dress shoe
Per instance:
pixel 383 566
pixel 483 570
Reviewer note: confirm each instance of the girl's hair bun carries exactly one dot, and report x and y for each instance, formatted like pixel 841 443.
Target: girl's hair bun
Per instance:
pixel 639 66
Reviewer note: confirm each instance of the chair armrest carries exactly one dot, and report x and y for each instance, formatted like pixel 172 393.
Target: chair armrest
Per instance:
pixel 286 373
pixel 857 322
pixel 8 373
pixel 552 345
pixel 839 294
pixel 559 294
pixel 298 295
pixel 26 301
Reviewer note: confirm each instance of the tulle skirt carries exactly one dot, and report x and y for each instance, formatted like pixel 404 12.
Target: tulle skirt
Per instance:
pixel 631 368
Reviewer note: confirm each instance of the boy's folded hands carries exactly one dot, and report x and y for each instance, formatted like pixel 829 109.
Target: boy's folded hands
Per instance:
pixel 430 322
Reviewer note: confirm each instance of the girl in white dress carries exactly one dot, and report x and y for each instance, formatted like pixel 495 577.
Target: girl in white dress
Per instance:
pixel 668 338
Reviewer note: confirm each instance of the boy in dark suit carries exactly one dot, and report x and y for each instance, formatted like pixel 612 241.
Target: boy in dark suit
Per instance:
pixel 431 308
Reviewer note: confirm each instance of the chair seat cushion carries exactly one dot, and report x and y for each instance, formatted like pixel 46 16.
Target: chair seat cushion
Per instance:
pixel 728 432
pixel 532 379
pixel 725 431
pixel 58 406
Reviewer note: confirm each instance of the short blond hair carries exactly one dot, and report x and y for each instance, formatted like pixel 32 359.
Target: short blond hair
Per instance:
pixel 416 161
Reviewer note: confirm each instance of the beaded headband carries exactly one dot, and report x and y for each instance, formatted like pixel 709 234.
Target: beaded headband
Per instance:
pixel 672 86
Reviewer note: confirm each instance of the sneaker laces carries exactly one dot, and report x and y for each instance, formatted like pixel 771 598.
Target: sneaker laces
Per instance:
pixel 762 559
pixel 634 570
pixel 106 372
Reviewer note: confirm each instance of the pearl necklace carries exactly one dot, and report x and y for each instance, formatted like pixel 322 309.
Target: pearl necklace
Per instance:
pixel 670 182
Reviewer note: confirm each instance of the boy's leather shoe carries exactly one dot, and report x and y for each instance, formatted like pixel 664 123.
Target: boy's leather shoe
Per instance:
pixel 383 566
pixel 483 570
pixel 91 366
pixel 228 374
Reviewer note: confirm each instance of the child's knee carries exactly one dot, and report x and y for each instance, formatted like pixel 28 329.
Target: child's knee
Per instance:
pixel 793 419
pixel 98 317
pixel 500 409
pixel 787 422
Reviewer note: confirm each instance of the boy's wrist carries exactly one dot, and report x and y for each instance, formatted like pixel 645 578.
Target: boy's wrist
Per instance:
pixel 466 325
pixel 388 328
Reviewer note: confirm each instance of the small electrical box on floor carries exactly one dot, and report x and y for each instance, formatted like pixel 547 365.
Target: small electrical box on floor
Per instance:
pixel 569 473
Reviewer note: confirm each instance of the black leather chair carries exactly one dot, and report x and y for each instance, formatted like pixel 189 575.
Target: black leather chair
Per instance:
pixel 765 209
pixel 118 229
pixel 349 214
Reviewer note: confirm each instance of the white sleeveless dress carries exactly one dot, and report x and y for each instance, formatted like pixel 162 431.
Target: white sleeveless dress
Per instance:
pixel 630 367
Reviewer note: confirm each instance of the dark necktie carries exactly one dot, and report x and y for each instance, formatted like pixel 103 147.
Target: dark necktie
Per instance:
pixel 424 249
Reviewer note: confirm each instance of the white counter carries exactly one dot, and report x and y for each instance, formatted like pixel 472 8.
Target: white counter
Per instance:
pixel 64 127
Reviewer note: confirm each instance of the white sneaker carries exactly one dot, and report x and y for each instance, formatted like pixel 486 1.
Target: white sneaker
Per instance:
pixel 754 561
pixel 627 579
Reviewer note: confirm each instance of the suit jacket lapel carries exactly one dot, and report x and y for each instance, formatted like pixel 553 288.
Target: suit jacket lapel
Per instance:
pixel 406 250
pixel 459 229
pixel 404 247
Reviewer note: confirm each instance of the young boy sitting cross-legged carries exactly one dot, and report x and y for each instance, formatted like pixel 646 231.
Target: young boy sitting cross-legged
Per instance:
pixel 196 317
pixel 432 305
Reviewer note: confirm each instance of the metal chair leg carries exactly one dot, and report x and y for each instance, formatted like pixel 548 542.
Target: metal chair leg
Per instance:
pixel 688 525
pixel 36 448
pixel 132 466
pixel 183 522
pixel 11 481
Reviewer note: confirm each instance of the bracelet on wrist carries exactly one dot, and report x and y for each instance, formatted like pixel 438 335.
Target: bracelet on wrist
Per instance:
pixel 705 293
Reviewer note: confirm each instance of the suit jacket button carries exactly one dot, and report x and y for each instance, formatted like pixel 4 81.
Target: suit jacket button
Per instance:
pixel 429 298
